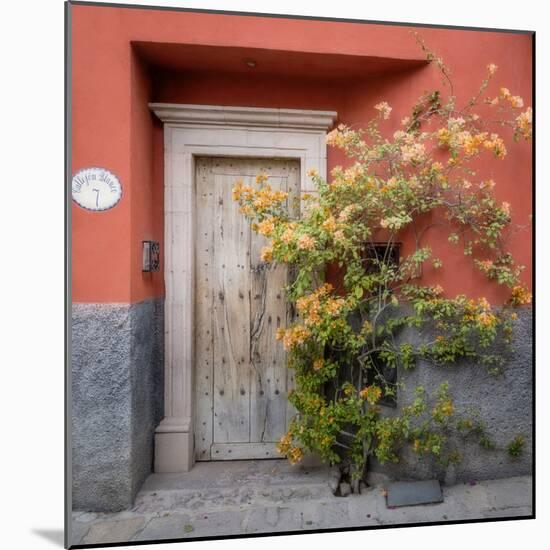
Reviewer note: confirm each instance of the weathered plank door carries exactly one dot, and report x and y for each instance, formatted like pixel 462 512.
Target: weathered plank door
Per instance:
pixel 241 379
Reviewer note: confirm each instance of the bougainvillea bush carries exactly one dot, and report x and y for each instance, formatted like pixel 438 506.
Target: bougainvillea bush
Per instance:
pixel 346 337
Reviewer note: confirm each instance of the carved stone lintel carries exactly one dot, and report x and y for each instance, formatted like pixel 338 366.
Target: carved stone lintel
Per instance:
pixel 243 116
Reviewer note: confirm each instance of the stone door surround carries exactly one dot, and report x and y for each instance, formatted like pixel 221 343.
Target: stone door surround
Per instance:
pixel 205 130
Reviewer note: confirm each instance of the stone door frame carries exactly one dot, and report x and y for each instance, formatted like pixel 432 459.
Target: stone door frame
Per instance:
pixel 205 130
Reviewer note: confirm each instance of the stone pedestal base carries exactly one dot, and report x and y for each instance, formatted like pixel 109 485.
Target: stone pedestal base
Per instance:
pixel 174 451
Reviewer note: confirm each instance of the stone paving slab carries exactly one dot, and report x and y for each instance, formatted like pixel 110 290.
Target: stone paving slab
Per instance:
pixel 228 498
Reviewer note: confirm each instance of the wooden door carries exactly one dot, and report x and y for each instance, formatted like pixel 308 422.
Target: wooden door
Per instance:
pixel 241 379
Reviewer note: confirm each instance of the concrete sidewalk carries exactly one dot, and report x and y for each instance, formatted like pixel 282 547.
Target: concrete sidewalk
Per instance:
pixel 246 497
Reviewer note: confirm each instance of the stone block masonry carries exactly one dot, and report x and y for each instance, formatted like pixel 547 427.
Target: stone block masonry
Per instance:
pixel 117 400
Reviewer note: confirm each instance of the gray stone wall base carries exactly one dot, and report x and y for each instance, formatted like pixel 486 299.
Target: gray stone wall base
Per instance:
pixel 117 400
pixel 118 390
pixel 504 403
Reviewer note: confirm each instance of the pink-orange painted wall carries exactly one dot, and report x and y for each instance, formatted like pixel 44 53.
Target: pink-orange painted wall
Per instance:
pixel 114 78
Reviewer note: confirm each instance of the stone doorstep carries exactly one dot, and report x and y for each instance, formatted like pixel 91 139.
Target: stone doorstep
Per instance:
pixel 237 472
pixel 222 485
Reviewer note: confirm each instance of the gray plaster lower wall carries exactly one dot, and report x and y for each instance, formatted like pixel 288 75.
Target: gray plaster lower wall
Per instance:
pixel 504 403
pixel 117 400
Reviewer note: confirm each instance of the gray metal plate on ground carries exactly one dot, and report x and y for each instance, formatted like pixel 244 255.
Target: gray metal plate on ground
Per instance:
pixel 410 493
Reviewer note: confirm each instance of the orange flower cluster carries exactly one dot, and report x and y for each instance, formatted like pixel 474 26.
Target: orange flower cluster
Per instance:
pixel 384 109
pixel 261 199
pixel 312 173
pixel 446 408
pixel 293 336
pixel 285 447
pixel 288 234
pixel 346 213
pixel 267 254
pixel 354 173
pixel 266 197
pixel 341 137
pixel 447 136
pixel 349 177
pixel 524 123
pixel 333 306
pixel 306 242
pixel 339 236
pixel 266 227
pixel 309 306
pixel 371 393
pixel 515 100
pixel 520 296
pixel 413 153
pixel 313 306
pixel 241 191
pixel 329 224
pixel 496 145
pixel 486 265
pixel 469 142
pixel 472 142
pixel 318 364
pixel 484 304
pixel 486 319
pixel 480 312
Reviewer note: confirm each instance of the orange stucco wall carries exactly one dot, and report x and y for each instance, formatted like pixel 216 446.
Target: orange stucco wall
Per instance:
pixel 123 58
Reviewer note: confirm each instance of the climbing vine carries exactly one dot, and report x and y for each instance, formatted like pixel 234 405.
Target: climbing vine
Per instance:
pixel 347 336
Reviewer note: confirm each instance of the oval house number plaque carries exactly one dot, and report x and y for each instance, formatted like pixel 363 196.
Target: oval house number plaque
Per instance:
pixel 96 189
